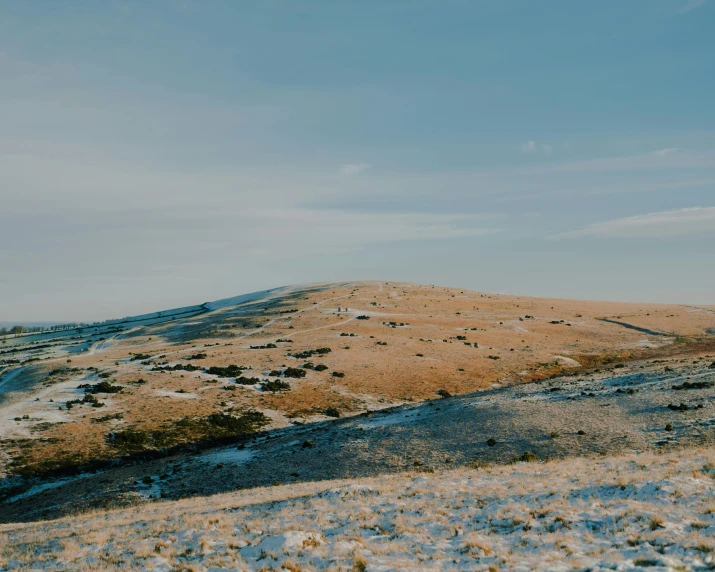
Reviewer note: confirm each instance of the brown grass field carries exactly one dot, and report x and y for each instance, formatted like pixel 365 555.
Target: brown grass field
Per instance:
pixel 418 340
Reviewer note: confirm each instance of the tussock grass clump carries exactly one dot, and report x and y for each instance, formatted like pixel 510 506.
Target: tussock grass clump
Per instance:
pixel 526 457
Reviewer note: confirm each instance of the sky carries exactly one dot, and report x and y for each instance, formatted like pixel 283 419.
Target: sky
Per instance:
pixel 164 153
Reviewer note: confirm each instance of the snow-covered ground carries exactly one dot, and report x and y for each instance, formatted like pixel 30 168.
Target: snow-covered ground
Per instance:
pixel 608 513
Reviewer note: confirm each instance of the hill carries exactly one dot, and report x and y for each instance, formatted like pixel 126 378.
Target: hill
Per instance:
pixel 273 365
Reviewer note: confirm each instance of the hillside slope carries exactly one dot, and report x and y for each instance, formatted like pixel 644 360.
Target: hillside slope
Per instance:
pixel 300 355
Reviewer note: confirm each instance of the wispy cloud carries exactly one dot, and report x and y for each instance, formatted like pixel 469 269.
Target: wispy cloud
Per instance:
pixel 691 5
pixel 665 152
pixel 660 159
pixel 693 221
pixel 536 147
pixel 354 168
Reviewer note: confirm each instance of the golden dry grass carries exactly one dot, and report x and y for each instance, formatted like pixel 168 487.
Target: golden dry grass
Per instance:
pixel 417 360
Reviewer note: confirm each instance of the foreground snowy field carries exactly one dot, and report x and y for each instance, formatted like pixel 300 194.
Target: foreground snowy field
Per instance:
pixel 618 513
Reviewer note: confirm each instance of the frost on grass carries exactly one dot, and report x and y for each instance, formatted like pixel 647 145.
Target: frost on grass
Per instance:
pixel 618 513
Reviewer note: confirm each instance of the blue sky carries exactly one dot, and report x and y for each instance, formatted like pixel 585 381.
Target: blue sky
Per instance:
pixel 154 154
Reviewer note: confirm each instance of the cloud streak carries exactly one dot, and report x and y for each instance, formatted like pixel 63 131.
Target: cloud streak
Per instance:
pixel 354 168
pixel 695 221
pixel 691 5
pixel 534 147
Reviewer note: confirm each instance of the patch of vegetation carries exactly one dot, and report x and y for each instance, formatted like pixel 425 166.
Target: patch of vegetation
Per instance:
pixel 362 317
pixel 61 370
pixel 526 457
pixel 177 367
pixel 214 428
pixel 241 380
pixel 294 372
pixel 310 353
pixel 395 324
pixel 684 407
pixel 200 355
pixel 101 387
pixel 228 371
pixel 275 386
pixel 88 399
pixel 266 347
pixel 338 374
pixel 285 341
pixel 332 412
pixel 444 393
pixel 105 418
pixel 140 356
pixel 694 385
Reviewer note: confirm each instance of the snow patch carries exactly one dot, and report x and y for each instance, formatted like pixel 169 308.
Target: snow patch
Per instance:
pixel 229 456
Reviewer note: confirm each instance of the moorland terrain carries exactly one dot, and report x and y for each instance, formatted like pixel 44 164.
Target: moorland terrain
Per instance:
pixel 298 385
